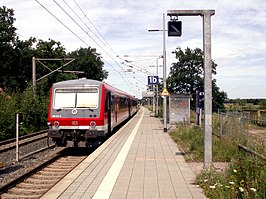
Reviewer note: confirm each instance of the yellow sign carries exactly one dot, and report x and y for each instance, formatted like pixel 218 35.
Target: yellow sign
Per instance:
pixel 165 92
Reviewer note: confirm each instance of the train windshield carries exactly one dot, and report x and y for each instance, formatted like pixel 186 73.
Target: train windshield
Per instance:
pixel 76 98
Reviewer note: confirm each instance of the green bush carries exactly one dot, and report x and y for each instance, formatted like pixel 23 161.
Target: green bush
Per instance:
pixel 8 110
pixel 33 108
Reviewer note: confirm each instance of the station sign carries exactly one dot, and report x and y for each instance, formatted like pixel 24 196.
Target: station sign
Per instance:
pixel 153 80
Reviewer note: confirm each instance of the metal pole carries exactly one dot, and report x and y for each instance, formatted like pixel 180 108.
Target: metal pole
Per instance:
pixel 17 134
pixel 156 111
pixel 207 90
pixel 34 75
pixel 153 98
pixel 164 78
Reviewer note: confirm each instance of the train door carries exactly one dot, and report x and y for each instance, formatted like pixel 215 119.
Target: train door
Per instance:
pixel 116 101
pixel 109 111
pixel 129 107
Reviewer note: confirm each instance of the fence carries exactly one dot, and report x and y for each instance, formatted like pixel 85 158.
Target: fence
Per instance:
pixel 243 128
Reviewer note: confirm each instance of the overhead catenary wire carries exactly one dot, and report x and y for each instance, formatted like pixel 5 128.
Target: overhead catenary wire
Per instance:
pixel 91 38
pixel 121 72
pixel 74 32
pixel 62 23
pixel 105 42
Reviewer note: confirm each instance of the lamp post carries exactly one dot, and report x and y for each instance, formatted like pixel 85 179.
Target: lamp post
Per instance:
pixel 164 74
pixel 157 86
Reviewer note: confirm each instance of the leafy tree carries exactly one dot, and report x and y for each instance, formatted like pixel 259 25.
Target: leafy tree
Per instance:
pixel 187 75
pixel 7 42
pixel 22 68
pixel 88 61
pixel 7 116
pixel 15 55
pixel 263 104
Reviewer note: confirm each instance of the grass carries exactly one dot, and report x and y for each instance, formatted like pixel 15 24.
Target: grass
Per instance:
pixel 190 139
pixel 245 176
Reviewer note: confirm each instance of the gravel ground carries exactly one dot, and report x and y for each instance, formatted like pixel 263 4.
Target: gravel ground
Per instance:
pixel 12 168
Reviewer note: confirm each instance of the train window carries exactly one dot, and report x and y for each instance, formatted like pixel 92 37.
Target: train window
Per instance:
pixel 89 100
pixel 64 100
pixel 76 98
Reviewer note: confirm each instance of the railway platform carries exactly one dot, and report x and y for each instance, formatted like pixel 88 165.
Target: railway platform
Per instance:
pixel 138 161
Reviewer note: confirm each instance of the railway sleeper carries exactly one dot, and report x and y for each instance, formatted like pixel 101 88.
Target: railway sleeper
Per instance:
pixel 64 163
pixel 26 185
pixel 10 195
pixel 26 191
pixel 55 174
pixel 54 170
pixel 62 166
pixel 38 181
pixel 51 176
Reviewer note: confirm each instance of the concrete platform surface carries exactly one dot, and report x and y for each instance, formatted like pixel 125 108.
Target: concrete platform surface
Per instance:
pixel 138 161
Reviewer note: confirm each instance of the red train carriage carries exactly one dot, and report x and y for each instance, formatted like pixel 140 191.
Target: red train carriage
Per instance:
pixel 86 110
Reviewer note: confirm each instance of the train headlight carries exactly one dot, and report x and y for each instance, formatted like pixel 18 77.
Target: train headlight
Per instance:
pixel 93 125
pixel 56 124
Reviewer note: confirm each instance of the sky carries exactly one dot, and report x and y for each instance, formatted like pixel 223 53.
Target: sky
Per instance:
pixel 118 29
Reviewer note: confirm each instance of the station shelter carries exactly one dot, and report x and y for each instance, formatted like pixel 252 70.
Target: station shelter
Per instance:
pixel 179 108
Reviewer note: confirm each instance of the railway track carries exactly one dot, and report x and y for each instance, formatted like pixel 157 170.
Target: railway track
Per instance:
pixel 23 140
pixel 39 180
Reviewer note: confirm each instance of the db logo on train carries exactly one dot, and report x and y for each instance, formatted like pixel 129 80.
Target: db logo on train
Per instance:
pixel 74 123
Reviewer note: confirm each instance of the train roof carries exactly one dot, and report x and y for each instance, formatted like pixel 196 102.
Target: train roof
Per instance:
pixel 77 82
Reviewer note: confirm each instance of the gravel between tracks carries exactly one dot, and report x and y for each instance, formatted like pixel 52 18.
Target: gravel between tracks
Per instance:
pixel 13 169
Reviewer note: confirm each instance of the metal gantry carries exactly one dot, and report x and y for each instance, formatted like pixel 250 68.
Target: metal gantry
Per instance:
pixel 51 71
pixel 206 17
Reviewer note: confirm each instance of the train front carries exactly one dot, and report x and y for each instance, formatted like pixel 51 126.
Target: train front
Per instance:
pixel 75 112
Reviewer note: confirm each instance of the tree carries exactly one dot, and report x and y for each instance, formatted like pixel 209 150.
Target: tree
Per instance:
pixel 262 104
pixel 88 61
pixel 187 75
pixel 7 42
pixel 15 55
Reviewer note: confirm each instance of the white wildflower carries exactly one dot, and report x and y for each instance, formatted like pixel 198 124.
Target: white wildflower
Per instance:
pixel 212 187
pixel 253 189
pixel 231 183
pixel 241 189
pixel 205 180
pixel 235 171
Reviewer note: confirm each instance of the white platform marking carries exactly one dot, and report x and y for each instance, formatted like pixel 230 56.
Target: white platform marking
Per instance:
pixel 107 185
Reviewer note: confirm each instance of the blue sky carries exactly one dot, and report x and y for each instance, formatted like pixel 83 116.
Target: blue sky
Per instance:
pixel 238 37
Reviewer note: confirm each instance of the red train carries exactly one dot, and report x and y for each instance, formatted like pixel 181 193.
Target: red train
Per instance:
pixel 86 110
